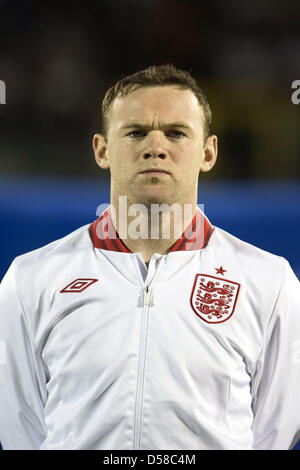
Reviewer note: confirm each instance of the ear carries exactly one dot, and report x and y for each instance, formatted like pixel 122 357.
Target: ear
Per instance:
pixel 100 151
pixel 210 153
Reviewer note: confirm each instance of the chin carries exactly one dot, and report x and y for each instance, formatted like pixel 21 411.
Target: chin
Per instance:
pixel 154 194
pixel 161 198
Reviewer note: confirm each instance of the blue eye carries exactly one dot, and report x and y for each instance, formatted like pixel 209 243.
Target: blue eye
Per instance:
pixel 136 134
pixel 175 134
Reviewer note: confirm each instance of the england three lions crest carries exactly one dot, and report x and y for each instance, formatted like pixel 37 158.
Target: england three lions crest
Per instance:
pixel 213 299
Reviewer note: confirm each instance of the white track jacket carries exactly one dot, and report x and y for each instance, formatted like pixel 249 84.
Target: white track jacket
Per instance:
pixel 199 351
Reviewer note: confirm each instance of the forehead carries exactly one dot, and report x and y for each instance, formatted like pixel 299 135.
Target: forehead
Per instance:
pixel 166 103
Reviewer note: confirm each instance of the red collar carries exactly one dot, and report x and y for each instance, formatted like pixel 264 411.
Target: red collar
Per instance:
pixel 105 237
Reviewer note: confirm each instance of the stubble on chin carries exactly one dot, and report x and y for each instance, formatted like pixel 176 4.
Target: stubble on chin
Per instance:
pixel 154 194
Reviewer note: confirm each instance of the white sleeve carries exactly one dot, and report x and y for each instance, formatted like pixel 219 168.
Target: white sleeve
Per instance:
pixel 276 403
pixel 22 382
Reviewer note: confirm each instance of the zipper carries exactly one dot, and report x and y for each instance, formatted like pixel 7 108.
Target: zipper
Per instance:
pixel 147 302
pixel 147 294
pixel 141 368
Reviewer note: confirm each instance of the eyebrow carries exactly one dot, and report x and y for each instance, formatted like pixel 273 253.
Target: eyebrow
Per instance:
pixel 138 125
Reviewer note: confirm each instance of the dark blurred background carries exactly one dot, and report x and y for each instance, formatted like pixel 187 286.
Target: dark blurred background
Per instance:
pixel 57 60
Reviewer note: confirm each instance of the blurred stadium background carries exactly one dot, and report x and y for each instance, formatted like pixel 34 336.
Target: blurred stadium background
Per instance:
pixel 58 59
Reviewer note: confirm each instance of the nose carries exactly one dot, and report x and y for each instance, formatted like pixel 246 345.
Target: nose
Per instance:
pixel 152 154
pixel 154 148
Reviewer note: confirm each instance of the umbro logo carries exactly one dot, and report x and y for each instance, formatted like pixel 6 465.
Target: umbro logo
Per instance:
pixel 78 285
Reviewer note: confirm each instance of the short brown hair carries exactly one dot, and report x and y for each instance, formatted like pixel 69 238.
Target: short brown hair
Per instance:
pixel 156 75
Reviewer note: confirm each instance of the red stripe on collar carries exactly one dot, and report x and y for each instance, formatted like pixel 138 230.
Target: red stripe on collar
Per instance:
pixel 195 237
pixel 104 235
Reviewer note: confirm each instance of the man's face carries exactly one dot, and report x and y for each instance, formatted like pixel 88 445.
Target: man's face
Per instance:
pixel 159 129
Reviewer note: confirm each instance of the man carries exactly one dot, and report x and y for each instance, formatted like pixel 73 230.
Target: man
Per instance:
pixel 126 335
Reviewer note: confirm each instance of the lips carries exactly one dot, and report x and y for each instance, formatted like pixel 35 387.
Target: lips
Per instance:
pixel 155 170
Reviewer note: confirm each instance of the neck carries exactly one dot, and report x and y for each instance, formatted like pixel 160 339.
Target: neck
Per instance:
pixel 152 228
pixel 105 237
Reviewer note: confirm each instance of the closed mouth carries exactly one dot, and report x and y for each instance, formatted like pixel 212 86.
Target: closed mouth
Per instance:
pixel 155 170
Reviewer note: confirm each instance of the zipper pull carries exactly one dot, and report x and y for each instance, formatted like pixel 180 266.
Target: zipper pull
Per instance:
pixel 147 294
